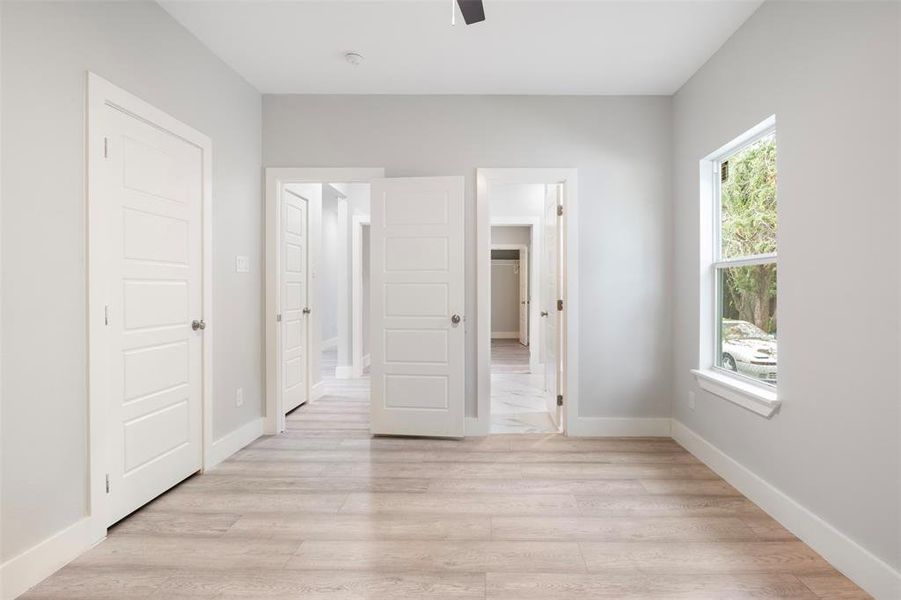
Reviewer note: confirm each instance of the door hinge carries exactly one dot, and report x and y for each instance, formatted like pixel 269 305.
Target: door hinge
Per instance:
pixel 559 304
pixel 105 148
pixel 559 399
pixel 559 210
pixel 278 318
pixel 107 483
pixel 106 314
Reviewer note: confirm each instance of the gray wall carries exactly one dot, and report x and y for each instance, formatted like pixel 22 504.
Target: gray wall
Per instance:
pixel 46 50
pixel 504 296
pixel 621 146
pixel 830 74
pixel 328 267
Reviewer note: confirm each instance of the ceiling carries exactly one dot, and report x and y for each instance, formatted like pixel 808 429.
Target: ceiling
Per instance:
pixel 410 47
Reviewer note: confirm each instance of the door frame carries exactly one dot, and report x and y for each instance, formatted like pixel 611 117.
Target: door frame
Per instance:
pixel 276 179
pixel 358 359
pixel 102 93
pixel 523 253
pixel 568 178
pixel 534 225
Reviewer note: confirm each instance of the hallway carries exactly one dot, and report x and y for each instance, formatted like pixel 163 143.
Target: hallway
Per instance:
pixel 517 396
pixel 327 512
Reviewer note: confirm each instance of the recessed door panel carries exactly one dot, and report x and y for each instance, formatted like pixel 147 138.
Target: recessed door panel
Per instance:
pixel 294 271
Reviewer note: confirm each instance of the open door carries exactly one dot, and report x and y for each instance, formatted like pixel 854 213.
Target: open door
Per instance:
pixel 524 296
pixel 417 331
pixel 294 315
pixel 553 310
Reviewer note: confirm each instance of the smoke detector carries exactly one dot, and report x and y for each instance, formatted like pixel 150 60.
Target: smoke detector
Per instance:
pixel 353 58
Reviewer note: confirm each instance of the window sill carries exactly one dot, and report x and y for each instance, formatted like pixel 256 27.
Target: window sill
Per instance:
pixel 747 395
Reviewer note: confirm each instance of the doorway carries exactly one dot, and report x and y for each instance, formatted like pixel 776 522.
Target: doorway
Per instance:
pixel 527 359
pixel 308 285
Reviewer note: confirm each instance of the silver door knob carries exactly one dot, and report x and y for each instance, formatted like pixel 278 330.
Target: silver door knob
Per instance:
pixel 306 310
pixel 455 319
pixel 544 313
pixel 195 324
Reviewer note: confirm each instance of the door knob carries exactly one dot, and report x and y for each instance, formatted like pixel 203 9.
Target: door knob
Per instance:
pixel 455 319
pixel 306 310
pixel 195 325
pixel 544 313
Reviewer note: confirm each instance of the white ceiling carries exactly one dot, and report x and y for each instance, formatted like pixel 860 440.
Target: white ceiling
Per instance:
pixel 410 47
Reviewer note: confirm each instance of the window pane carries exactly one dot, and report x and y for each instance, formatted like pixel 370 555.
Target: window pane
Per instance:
pixel 747 304
pixel 748 200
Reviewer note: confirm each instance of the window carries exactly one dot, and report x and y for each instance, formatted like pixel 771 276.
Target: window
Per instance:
pixel 744 264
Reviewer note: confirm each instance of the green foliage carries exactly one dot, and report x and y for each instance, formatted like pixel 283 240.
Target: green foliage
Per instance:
pixel 748 213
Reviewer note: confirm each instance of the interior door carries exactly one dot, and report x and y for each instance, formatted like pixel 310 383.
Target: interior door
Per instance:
pixel 151 190
pixel 551 276
pixel 417 328
pixel 294 268
pixel 524 296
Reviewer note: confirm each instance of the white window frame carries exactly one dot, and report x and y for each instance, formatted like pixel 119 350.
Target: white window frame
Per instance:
pixel 754 395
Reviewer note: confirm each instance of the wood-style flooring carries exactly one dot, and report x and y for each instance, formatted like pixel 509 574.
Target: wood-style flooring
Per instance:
pixel 325 512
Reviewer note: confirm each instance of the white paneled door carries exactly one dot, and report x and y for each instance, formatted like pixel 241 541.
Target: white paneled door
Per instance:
pixel 551 273
pixel 150 198
pixel 417 327
pixel 294 265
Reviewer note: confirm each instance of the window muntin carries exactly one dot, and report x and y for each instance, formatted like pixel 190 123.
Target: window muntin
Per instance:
pixel 745 259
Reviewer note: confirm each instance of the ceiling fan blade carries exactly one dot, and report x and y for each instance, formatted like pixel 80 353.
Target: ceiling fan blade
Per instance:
pixel 472 10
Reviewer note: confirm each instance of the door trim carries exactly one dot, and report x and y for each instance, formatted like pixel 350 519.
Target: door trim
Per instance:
pixel 569 180
pixel 276 179
pixel 358 362
pixel 102 93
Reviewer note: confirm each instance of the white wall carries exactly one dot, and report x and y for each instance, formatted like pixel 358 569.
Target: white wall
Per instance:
pixel 830 74
pixel 516 199
pixel 621 146
pixel 514 234
pixel 328 266
pixel 365 289
pixel 504 296
pixel 46 50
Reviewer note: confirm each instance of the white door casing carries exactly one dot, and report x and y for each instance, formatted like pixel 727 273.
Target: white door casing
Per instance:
pixel 294 312
pixel 417 326
pixel 553 292
pixel 147 263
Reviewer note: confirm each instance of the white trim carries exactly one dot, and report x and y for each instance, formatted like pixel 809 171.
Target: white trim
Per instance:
pixel 856 562
pixel 755 398
pixel 234 441
pixel 619 427
pixel 569 180
pixel 328 344
pixel 275 179
pixel 22 572
pixel 356 257
pixel 473 426
pixel 505 335
pixel 101 93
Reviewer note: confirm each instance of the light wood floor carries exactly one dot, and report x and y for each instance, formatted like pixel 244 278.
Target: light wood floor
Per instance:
pixel 327 512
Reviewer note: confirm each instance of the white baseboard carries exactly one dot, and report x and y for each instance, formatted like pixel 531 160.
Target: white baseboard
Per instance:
pixel 318 390
pixel 234 441
pixel 476 427
pixel 36 564
pixel 619 427
pixel 505 335
pixel 329 343
pixel 344 372
pixel 866 570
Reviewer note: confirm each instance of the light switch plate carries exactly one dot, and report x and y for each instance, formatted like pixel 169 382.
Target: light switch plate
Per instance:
pixel 242 264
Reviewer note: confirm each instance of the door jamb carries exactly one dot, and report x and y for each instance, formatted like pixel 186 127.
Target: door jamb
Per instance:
pixel 276 179
pixel 357 358
pixel 102 93
pixel 568 178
